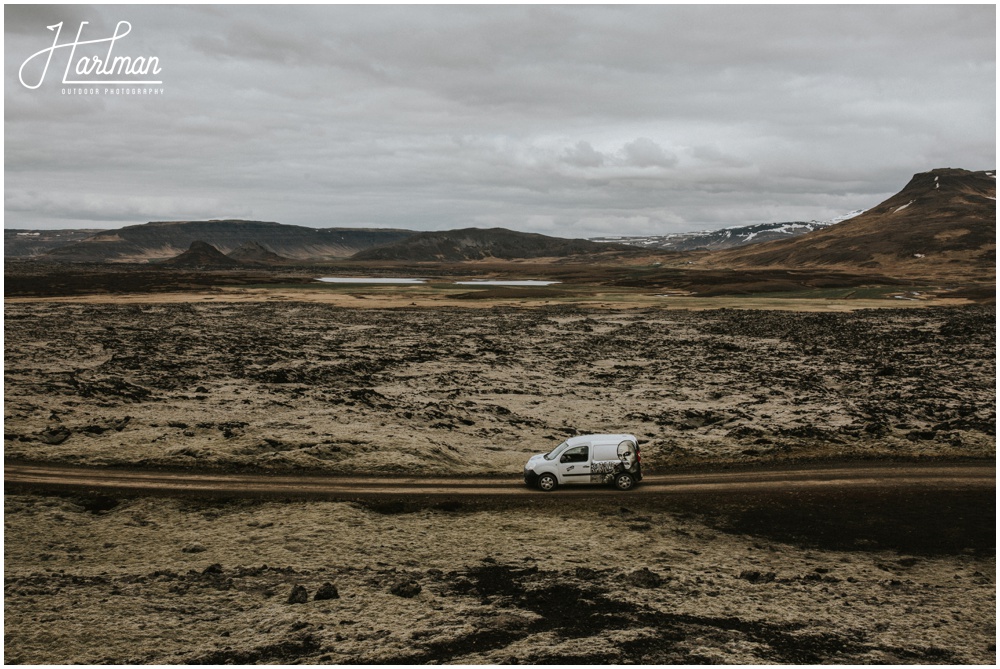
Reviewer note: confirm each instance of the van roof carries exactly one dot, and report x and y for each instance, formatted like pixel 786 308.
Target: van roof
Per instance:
pixel 587 438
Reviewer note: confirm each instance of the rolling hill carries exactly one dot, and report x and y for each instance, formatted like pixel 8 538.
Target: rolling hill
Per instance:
pixel 162 240
pixel 478 244
pixel 941 222
pixel 254 253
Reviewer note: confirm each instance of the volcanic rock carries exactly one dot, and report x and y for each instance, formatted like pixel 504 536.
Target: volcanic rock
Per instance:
pixel 644 578
pixel 298 595
pixel 327 591
pixel 55 435
pixel 405 588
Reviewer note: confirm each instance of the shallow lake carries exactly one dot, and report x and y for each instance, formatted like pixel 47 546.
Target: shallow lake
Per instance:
pixel 526 282
pixel 400 280
pixel 364 279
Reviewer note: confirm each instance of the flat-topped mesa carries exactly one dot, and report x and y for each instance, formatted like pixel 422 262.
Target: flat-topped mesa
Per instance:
pixel 478 244
pixel 160 240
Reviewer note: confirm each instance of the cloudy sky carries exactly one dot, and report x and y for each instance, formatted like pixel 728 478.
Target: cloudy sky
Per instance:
pixel 565 120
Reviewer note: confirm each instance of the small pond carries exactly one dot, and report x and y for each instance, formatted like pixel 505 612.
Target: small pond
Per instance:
pixel 401 281
pixel 367 279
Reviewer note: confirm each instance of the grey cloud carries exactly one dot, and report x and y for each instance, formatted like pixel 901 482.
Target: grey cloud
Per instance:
pixel 29 19
pixel 118 209
pixel 644 152
pixel 561 119
pixel 582 154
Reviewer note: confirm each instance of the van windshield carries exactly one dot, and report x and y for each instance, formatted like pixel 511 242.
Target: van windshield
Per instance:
pixel 552 454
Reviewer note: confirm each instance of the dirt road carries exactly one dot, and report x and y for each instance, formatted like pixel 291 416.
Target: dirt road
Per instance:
pixel 20 476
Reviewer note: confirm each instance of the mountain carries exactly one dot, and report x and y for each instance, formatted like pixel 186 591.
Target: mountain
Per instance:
pixel 714 240
pixel 942 220
pixel 201 254
pixel 19 243
pixel 254 253
pixel 162 240
pixel 477 244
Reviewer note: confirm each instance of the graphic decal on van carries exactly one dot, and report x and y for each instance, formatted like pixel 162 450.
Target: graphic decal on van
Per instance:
pixel 626 453
pixel 603 471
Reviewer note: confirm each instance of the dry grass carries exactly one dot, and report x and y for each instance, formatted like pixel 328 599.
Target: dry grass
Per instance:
pixel 557 582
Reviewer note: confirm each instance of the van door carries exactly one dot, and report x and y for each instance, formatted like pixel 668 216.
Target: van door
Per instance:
pixel 604 462
pixel 574 465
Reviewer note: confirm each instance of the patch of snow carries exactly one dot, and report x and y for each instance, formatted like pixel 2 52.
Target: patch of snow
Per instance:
pixel 898 209
pixel 845 217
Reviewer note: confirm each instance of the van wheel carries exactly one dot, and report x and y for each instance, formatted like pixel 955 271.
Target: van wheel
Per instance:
pixel 547 482
pixel 624 481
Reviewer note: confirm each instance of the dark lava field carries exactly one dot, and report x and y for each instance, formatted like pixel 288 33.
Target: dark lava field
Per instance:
pixel 458 391
pixel 820 576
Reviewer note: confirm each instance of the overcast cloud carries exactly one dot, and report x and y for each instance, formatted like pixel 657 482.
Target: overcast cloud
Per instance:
pixel 571 121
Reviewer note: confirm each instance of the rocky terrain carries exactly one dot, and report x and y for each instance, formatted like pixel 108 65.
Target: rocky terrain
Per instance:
pixel 820 578
pixel 450 390
pixel 223 374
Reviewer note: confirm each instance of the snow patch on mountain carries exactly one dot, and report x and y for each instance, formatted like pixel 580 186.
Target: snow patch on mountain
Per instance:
pixel 730 237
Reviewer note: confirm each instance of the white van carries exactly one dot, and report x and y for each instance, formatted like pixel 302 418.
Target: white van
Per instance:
pixel 591 458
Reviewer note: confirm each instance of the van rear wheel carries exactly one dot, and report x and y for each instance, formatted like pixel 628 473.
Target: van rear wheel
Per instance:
pixel 624 481
pixel 547 482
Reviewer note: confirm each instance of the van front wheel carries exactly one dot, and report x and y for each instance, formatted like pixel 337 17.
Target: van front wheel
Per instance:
pixel 547 482
pixel 624 481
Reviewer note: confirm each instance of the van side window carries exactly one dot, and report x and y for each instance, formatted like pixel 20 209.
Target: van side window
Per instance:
pixel 578 454
pixel 605 452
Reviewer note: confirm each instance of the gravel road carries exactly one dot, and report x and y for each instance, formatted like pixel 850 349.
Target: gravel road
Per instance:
pixel 894 475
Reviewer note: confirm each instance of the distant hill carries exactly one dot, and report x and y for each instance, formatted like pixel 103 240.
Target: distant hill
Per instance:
pixel 726 238
pixel 18 243
pixel 477 244
pixel 945 217
pixel 163 240
pixel 253 253
pixel 201 254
